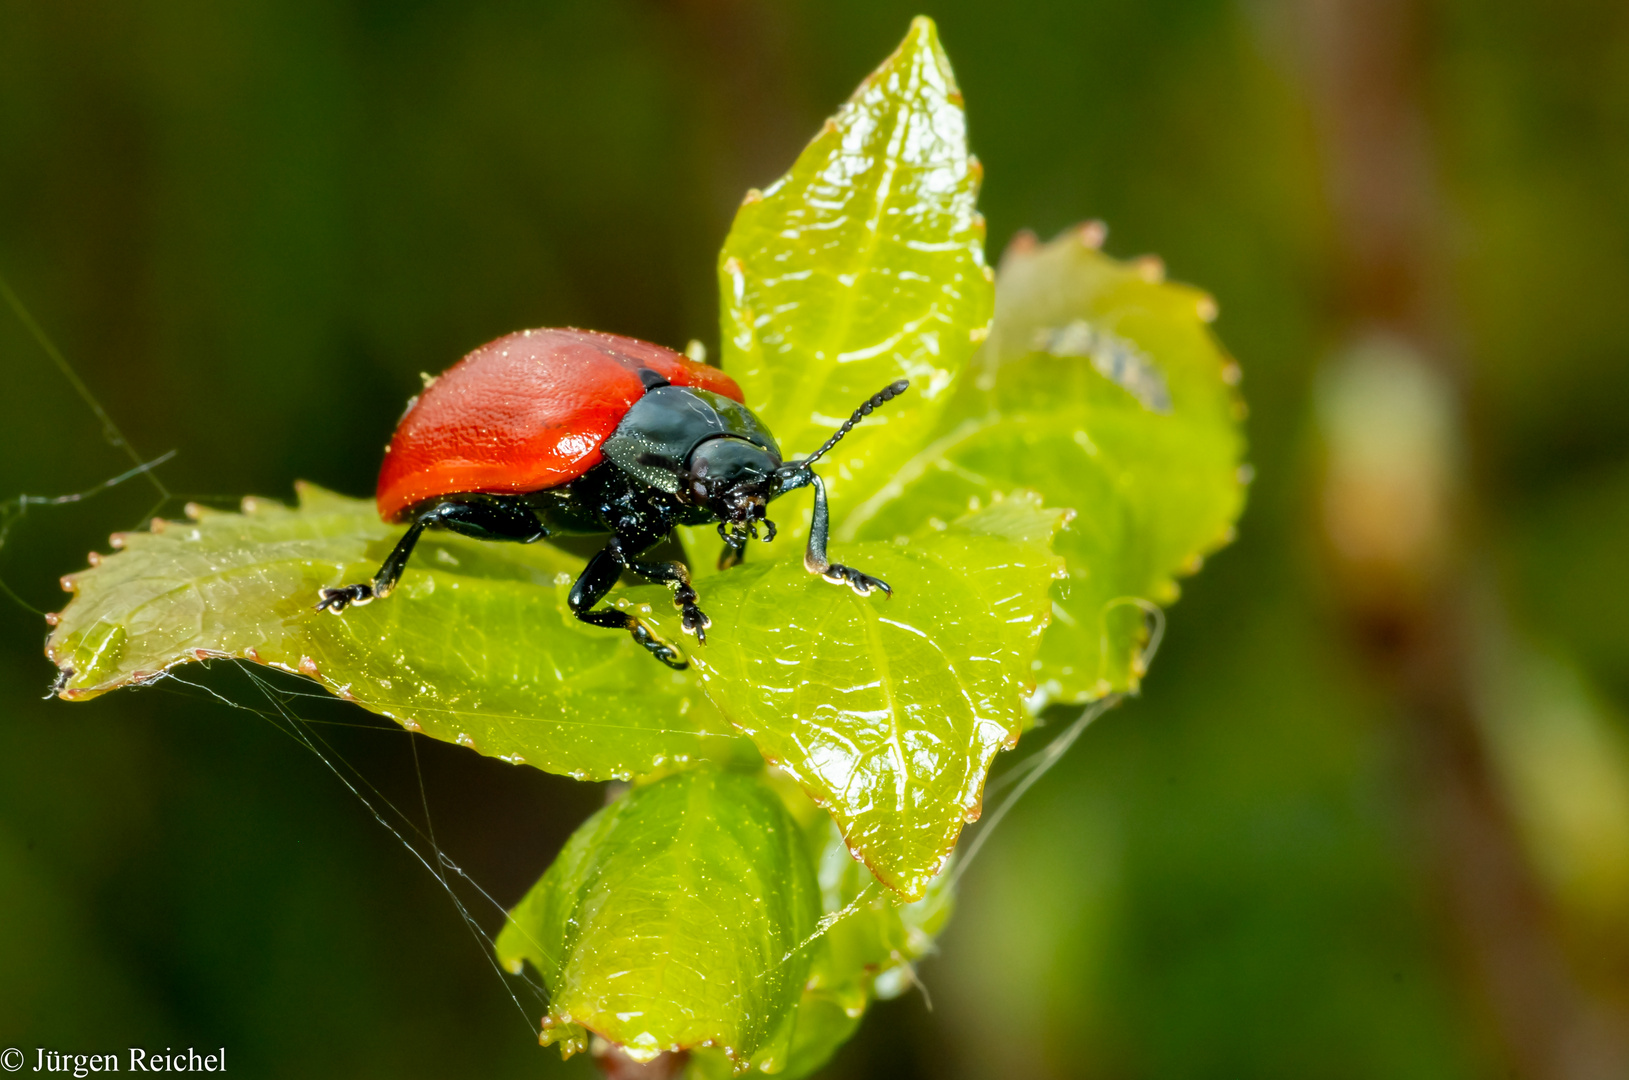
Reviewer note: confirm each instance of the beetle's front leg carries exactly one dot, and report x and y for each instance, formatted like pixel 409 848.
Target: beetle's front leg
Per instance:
pixel 594 582
pixel 735 548
pixel 814 556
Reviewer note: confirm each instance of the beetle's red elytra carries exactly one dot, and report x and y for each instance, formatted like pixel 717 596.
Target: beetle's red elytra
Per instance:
pixel 526 412
pixel 550 432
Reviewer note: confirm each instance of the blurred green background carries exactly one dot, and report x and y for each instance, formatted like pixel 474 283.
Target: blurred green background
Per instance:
pixel 1370 817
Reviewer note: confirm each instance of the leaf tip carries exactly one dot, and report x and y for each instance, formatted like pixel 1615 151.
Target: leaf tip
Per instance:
pixel 923 36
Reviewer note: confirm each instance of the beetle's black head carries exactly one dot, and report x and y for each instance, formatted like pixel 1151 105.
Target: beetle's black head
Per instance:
pixel 734 479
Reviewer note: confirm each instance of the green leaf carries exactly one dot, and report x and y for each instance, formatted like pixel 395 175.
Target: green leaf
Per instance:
pixel 1103 389
pixel 866 945
pixel 888 711
pixel 476 646
pixel 817 1027
pixel 862 265
pixel 674 919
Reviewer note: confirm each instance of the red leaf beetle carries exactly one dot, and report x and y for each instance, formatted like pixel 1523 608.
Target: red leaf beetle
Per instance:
pixel 552 432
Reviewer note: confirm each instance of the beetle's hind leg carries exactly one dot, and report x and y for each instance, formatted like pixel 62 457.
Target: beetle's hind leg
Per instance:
pixel 594 582
pixel 484 518
pixel 676 574
pixel 384 582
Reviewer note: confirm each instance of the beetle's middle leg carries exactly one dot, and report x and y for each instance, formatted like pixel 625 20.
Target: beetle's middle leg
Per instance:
pixel 594 582
pixel 676 574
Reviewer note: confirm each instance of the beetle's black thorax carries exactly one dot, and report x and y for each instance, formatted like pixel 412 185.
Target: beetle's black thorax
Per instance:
pixel 655 440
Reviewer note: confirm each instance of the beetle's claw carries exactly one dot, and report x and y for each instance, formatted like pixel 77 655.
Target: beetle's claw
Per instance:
pixel 337 600
pixel 863 584
pixel 695 621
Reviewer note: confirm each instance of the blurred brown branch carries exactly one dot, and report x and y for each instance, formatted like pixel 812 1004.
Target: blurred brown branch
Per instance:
pixel 1398 525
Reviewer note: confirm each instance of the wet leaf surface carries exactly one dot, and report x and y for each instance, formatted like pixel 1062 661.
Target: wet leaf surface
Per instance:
pixel 476 646
pixel 674 919
pixel 1103 389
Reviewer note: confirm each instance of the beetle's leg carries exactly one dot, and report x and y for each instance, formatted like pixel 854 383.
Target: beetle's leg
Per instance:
pixel 814 556
pixel 483 519
pixel 594 582
pixel 676 574
pixel 337 600
pixel 735 548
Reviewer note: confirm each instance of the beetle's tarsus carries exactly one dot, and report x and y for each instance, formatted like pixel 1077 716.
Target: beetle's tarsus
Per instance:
pixel 337 600
pixel 667 654
pixel 864 584
pixel 693 620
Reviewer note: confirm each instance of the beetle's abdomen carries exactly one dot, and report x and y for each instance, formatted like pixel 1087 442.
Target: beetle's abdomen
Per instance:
pixel 524 413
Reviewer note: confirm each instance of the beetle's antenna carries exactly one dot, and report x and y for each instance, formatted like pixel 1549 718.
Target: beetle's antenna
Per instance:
pixel 887 393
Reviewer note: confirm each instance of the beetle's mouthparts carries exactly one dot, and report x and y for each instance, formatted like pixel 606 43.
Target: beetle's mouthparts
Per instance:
pixel 742 523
